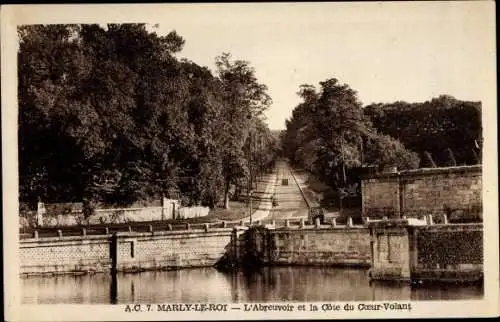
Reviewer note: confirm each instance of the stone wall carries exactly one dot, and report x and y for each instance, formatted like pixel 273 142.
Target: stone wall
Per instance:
pixel 447 251
pixel 60 215
pixel 305 244
pixel 390 251
pixel 326 246
pixel 65 255
pixel 124 251
pixel 455 191
pixel 164 250
pixel 380 196
pixel 418 251
pixel 396 249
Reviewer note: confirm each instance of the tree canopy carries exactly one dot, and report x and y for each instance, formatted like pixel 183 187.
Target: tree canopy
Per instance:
pixel 110 114
pixel 330 135
pixel 440 126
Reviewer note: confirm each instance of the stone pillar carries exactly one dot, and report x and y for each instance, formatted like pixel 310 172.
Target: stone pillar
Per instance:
pixel 390 248
pixel 334 222
pixel 59 232
pixel 445 219
pixel 224 224
pixel 84 232
pixel 35 234
pixel 206 227
pixel 188 226
pixel 163 208
pixel 302 223
pixel 114 253
pixel 235 246
pixel 150 228
pixel 317 223
pixel 40 211
pixel 349 222
pixel 429 219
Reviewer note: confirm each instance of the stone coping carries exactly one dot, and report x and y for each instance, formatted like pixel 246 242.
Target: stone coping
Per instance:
pixel 425 171
pixel 127 234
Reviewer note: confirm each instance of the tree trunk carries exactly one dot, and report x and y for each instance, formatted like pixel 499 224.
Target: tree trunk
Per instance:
pixel 226 194
pixel 344 179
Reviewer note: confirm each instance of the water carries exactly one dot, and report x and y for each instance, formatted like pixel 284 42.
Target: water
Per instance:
pixel 207 285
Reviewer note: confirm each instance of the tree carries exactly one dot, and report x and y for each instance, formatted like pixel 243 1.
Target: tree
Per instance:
pixel 385 151
pixel 326 131
pixel 330 136
pixel 133 121
pixel 452 162
pixel 244 102
pixel 346 122
pixel 428 161
pixel 456 123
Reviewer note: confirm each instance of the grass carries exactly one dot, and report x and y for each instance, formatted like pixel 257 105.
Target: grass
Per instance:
pixel 320 194
pixel 317 192
pixel 239 209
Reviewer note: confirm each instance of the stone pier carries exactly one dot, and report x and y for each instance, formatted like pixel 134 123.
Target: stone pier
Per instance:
pixel 419 250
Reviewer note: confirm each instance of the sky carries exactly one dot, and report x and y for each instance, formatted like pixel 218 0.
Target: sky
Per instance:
pixel 384 51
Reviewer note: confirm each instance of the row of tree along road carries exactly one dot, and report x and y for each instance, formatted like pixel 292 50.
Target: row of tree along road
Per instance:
pixel 109 114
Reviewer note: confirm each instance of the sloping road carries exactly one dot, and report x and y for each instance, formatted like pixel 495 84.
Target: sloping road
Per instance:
pixel 291 203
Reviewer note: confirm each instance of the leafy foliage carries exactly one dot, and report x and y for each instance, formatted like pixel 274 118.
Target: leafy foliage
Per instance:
pixel 330 136
pixel 109 114
pixel 435 126
pixel 386 151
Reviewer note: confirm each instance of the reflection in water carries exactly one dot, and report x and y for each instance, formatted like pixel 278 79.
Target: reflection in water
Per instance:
pixel 304 284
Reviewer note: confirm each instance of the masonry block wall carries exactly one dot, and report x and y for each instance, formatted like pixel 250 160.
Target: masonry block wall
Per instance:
pixel 127 251
pixel 64 255
pixel 54 216
pixel 390 252
pixel 380 196
pixel 447 251
pixel 163 250
pixel 414 193
pixel 325 245
pixel 419 252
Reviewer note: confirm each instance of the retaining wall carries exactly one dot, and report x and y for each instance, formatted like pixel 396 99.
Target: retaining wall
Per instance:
pixel 447 252
pixel 292 243
pixel 74 254
pixel 455 191
pixel 123 251
pixel 395 249
pixel 340 246
pixel 403 250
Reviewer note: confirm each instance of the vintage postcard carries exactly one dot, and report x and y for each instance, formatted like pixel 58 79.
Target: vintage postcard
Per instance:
pixel 249 161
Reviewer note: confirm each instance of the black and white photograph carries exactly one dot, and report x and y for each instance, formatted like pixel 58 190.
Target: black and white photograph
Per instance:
pixel 241 160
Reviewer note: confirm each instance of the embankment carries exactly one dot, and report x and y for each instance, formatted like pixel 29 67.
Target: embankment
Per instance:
pixel 393 249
